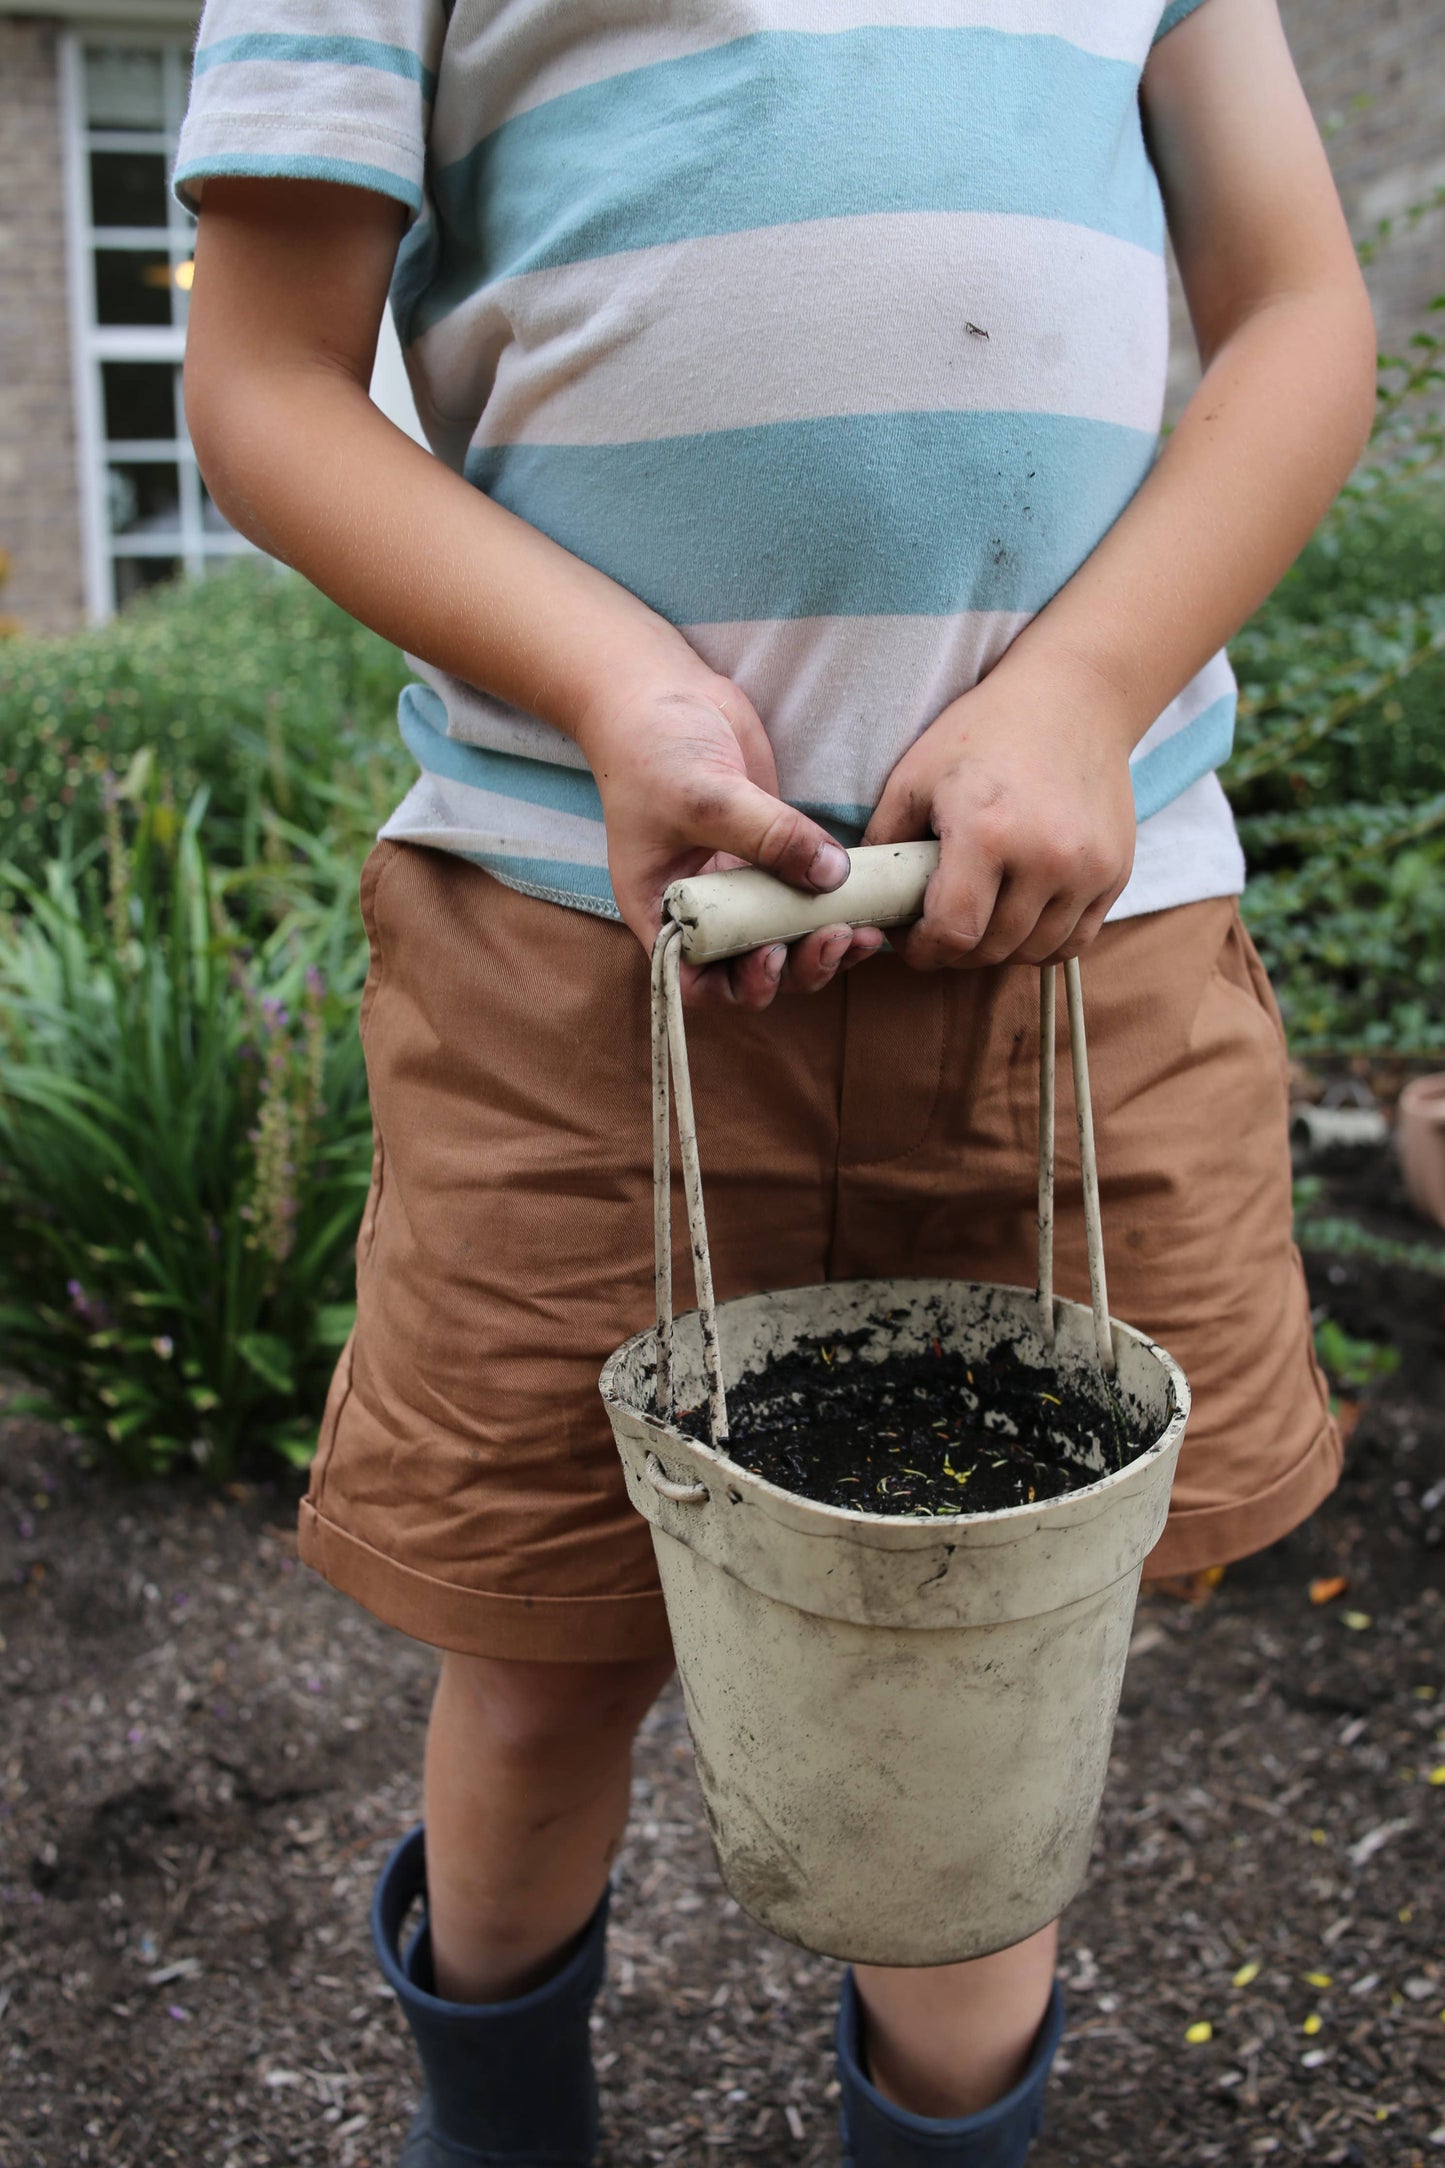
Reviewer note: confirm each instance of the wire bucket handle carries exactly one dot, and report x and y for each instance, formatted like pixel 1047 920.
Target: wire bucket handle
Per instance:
pixel 717 915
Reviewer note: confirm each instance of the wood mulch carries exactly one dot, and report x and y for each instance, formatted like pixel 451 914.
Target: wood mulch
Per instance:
pixel 204 1755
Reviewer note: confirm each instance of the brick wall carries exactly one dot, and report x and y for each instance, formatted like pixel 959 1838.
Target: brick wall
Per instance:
pixel 39 512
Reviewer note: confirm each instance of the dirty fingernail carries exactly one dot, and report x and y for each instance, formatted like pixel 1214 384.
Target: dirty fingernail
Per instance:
pixel 830 865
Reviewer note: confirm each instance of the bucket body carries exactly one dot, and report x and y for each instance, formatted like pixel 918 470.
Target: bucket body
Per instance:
pixel 901 1725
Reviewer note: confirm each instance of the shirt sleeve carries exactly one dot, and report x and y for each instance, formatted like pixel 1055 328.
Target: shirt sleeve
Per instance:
pixel 328 90
pixel 1174 15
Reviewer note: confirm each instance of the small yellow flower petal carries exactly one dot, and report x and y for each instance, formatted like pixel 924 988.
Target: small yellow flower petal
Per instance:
pixel 1317 1836
pixel 1198 2034
pixel 1313 2023
pixel 1319 1979
pixel 1247 1974
pixel 1405 1914
pixel 1437 1776
pixel 1357 1621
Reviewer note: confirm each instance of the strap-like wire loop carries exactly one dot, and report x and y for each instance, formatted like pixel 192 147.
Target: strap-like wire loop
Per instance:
pixel 667 1003
pixel 669 1057
pixel 662 1174
pixel 1084 1114
pixel 1048 1004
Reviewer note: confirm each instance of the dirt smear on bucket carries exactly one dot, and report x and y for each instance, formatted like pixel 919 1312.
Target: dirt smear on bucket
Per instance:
pixel 925 1432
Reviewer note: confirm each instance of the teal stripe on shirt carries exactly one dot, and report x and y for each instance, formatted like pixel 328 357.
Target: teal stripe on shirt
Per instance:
pixel 1158 777
pixel 786 126
pixel 423 718
pixel 1163 774
pixel 343 52
pixel 851 516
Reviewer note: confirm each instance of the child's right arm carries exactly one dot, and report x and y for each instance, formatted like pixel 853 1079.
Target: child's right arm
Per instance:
pixel 290 282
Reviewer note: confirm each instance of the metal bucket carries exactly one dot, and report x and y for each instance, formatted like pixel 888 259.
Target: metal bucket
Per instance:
pixel 901 1725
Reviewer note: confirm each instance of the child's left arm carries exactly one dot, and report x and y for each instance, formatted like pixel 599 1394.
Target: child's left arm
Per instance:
pixel 1025 779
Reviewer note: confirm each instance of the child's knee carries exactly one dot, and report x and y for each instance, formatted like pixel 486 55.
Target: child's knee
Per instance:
pixel 540 1712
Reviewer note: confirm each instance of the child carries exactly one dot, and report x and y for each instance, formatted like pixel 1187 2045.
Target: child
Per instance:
pixel 794 371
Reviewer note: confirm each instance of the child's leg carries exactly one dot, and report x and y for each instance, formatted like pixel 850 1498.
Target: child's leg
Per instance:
pixel 949 2040
pixel 528 1772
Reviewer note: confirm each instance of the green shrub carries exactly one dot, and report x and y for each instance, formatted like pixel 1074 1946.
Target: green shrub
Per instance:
pixel 1338 776
pixel 250 685
pixel 184 1148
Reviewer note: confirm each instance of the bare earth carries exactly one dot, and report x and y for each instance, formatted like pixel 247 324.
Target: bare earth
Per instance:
pixel 205 1755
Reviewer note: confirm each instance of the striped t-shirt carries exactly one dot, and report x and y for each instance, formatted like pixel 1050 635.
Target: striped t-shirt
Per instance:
pixel 835 330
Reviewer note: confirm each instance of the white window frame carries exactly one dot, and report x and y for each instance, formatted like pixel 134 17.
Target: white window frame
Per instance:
pixel 194 545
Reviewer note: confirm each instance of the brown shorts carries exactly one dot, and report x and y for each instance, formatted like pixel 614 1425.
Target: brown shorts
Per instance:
pixel 466 1488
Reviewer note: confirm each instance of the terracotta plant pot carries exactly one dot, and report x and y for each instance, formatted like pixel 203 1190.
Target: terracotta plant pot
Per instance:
pixel 1421 1136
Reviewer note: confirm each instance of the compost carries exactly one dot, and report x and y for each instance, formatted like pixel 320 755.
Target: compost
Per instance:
pixel 927 1432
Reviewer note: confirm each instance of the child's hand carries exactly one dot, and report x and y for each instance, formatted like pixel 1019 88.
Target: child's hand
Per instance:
pixel 688 784
pixel 1026 785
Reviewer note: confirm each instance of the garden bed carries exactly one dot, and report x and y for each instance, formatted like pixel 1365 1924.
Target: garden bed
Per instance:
pixel 208 1754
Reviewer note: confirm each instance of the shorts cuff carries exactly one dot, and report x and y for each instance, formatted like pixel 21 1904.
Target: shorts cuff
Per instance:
pixel 476 1622
pixel 1201 1536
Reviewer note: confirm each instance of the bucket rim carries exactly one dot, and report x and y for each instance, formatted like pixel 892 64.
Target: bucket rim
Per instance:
pixel 1003 1517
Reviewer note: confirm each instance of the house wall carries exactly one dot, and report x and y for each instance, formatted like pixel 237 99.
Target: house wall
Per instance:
pixel 39 498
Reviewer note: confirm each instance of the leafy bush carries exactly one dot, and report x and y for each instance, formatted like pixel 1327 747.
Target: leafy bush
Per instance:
pixel 1339 771
pixel 184 1147
pixel 250 685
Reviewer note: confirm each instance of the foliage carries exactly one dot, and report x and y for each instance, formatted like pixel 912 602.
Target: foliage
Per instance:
pixel 184 1145
pixel 1338 777
pixel 1349 1363
pixel 249 685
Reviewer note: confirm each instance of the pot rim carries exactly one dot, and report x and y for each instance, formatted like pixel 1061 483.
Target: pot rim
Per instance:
pixel 854 1516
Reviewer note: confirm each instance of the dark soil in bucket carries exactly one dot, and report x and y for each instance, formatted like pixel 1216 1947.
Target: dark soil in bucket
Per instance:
pixel 932 1432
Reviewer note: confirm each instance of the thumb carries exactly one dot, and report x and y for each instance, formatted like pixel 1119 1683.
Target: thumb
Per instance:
pixel 898 817
pixel 738 817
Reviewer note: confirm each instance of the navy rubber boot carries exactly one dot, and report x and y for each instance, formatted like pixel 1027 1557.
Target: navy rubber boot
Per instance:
pixel 878 2135
pixel 508 2084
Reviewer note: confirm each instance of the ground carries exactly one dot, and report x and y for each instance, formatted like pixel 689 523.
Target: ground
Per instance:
pixel 206 1754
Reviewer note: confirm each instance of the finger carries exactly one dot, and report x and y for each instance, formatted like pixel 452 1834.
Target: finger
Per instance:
pixel 1018 908
pixel 753 981
pixel 900 816
pixel 738 982
pixel 815 960
pixel 867 941
pixel 728 813
pixel 1052 934
pixel 1086 931
pixel 957 907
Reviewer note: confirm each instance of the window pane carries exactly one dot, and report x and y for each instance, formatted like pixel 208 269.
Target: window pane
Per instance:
pixel 140 399
pixel 144 497
pixel 132 286
pixel 133 575
pixel 128 188
pixel 124 87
